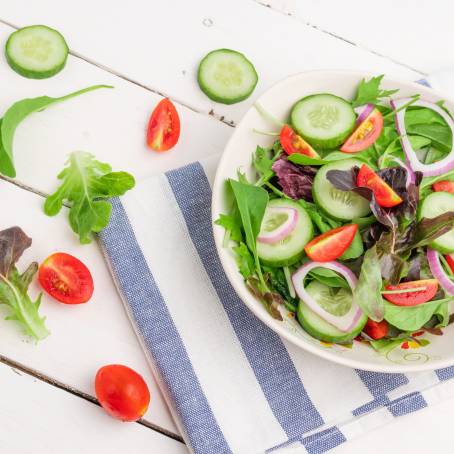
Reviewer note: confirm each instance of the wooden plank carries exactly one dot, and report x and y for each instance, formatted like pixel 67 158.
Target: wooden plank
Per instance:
pixel 111 124
pixel 83 338
pixel 161 43
pixel 414 33
pixel 36 417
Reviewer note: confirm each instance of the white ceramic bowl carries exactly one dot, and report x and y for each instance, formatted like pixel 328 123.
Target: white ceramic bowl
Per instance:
pixel 278 101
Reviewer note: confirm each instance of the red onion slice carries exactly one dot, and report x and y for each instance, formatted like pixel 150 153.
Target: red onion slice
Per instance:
pixel 438 271
pixel 429 170
pixel 363 112
pixel 344 323
pixel 282 231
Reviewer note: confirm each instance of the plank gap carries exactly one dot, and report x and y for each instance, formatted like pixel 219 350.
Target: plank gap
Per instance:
pixel 18 368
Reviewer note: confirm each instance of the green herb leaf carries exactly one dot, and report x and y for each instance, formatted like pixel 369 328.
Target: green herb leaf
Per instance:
pixel 14 286
pixel 244 260
pixel 232 224
pixel 367 293
pixel 370 92
pixel 86 183
pixel 411 318
pixel 18 112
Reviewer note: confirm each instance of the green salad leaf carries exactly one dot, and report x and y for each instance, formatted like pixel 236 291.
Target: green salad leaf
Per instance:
pixel 370 92
pixel 86 184
pixel 18 112
pixel 14 286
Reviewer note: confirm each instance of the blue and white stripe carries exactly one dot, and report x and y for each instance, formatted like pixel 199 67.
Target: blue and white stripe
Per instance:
pixel 235 386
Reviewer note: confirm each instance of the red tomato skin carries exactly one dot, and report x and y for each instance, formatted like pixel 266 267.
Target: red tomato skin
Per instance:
pixel 444 186
pixel 332 244
pixel 384 194
pixel 450 259
pixel 66 278
pixel 122 392
pixel 163 129
pixel 293 143
pixel 376 330
pixel 367 132
pixel 412 298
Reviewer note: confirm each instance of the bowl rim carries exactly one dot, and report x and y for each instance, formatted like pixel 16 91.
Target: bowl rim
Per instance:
pixel 241 289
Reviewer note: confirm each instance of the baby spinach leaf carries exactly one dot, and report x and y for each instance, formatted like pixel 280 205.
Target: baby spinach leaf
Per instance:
pixel 18 112
pixel 86 184
pixel 370 92
pixel 14 286
pixel 367 293
pixel 440 135
pixel 328 277
pixel 355 249
pixel 411 318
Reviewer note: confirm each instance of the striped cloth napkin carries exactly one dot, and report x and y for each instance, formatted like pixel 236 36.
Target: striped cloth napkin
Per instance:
pixel 232 384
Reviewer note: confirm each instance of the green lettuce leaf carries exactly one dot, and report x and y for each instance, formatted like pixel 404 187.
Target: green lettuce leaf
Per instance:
pixel 370 92
pixel 18 112
pixel 14 286
pixel 86 183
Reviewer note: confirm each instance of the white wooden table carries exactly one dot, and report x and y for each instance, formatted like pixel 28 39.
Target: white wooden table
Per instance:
pixel 147 49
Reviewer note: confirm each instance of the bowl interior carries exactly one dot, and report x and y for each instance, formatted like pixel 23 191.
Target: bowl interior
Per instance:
pixel 278 101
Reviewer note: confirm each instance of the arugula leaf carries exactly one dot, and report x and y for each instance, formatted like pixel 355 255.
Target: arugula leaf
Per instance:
pixel 251 202
pixel 232 224
pixel 86 183
pixel 18 112
pixel 14 286
pixel 263 163
pixel 370 92
pixel 244 260
pixel 367 293
pixel 411 318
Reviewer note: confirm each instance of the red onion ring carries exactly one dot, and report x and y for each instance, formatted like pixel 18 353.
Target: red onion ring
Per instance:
pixel 284 230
pixel 438 271
pixel 344 323
pixel 429 170
pixel 363 112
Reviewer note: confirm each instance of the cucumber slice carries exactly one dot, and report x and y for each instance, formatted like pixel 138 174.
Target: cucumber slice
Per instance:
pixel 36 52
pixel 324 120
pixel 342 205
pixel 290 249
pixel 337 305
pixel 227 76
pixel 433 205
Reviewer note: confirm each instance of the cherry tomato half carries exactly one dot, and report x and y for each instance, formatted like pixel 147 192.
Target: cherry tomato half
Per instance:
pixel 365 134
pixel 384 194
pixel 412 298
pixel 445 186
pixel 66 278
pixel 122 392
pixel 293 143
pixel 164 127
pixel 332 244
pixel 376 330
pixel 450 259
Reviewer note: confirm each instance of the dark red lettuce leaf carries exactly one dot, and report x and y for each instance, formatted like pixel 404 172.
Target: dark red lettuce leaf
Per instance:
pixel 296 181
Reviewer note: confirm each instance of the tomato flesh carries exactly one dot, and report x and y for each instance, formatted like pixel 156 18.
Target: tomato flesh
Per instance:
pixel 122 392
pixel 66 278
pixel 450 259
pixel 412 298
pixel 384 194
pixel 444 186
pixel 332 244
pixel 376 330
pixel 365 134
pixel 293 143
pixel 163 127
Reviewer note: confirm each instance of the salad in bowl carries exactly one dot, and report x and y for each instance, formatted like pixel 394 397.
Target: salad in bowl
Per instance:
pixel 336 227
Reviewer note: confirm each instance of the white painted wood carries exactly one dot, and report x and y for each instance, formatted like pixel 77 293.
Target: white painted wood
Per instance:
pixel 109 123
pixel 39 418
pixel 84 337
pixel 417 33
pixel 159 43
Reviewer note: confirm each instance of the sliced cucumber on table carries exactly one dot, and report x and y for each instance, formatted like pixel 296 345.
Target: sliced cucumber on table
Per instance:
pixel 227 76
pixel 433 205
pixel 324 120
pixel 36 52
pixel 290 249
pixel 343 205
pixel 339 305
